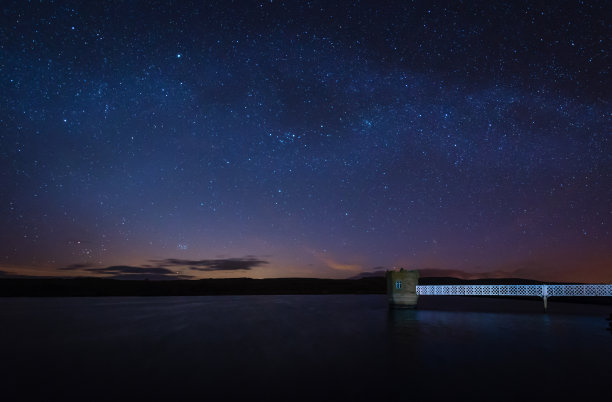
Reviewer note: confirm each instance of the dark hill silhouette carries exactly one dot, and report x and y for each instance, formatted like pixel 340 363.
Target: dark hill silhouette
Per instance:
pixel 235 286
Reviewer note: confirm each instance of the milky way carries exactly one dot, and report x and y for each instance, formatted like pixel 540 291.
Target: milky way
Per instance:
pixel 269 139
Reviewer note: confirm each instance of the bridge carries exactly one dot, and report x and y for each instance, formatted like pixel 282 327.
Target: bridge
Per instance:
pixel 403 289
pixel 543 291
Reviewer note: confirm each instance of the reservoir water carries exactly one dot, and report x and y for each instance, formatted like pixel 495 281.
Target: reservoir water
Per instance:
pixel 337 347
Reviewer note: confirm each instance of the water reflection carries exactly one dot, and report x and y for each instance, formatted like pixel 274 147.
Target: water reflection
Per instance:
pixel 402 319
pixel 516 350
pixel 319 347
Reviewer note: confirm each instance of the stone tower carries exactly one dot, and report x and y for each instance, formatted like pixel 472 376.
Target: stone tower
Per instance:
pixel 401 288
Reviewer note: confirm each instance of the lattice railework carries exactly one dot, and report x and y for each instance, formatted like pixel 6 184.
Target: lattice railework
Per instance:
pixel 480 290
pixel 514 290
pixel 579 290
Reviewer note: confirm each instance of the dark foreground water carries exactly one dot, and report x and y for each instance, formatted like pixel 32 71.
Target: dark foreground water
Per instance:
pixel 301 348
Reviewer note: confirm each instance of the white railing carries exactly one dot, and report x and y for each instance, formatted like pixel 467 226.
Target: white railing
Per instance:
pixel 514 290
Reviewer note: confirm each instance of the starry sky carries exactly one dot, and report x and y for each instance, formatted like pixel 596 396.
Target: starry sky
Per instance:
pixel 187 139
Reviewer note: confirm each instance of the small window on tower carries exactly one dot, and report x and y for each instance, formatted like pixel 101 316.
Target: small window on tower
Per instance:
pixel 398 284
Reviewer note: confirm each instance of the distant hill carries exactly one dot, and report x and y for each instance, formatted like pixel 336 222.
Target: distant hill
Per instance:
pixel 452 276
pixel 441 280
pixel 373 274
pixel 86 287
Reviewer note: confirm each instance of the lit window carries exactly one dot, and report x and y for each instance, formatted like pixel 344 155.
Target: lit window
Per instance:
pixel 398 284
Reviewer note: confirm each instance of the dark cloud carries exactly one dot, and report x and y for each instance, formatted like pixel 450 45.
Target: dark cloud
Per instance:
pixel 74 267
pixel 166 269
pixel 137 273
pixel 222 264
pixel 126 269
pixel 152 277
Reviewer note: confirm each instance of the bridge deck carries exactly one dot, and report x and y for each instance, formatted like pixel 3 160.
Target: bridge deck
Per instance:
pixel 515 290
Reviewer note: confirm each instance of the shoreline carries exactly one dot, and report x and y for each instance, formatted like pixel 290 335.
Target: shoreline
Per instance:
pixel 98 287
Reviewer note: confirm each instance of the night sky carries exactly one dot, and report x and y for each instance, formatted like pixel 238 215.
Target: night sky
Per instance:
pixel 313 139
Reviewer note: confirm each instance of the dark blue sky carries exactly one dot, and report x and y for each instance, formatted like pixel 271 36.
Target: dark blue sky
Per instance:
pixel 273 138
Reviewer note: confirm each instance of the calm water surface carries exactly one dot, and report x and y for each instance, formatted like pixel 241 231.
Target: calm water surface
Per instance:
pixel 337 347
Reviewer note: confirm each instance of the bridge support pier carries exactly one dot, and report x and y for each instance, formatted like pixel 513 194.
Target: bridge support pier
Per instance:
pixel 545 297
